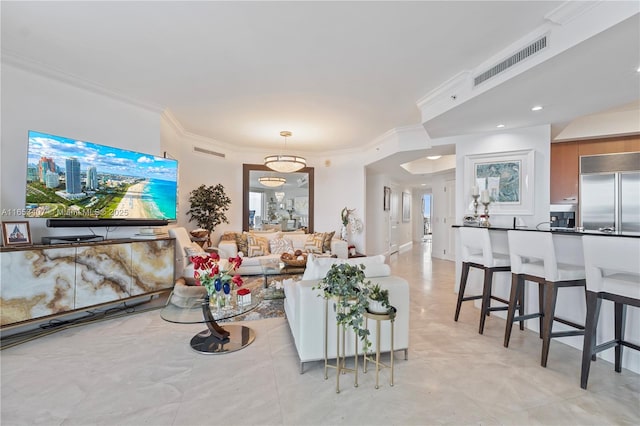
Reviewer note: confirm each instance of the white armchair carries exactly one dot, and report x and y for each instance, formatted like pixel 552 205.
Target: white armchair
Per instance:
pixel 184 249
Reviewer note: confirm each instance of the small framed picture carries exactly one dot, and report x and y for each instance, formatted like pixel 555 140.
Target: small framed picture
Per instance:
pixel 387 199
pixel 16 233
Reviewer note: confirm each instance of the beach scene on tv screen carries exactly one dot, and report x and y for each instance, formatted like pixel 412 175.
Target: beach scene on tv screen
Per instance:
pixel 68 178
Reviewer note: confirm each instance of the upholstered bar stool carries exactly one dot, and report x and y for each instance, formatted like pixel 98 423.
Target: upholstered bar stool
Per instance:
pixel 477 252
pixel 612 267
pixel 533 258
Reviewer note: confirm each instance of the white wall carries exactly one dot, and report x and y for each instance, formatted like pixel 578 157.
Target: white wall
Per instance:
pixel 33 102
pixel 533 138
pixel 377 218
pixel 441 230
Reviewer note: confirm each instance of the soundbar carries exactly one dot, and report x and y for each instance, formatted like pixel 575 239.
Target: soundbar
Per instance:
pixel 88 223
pixel 65 239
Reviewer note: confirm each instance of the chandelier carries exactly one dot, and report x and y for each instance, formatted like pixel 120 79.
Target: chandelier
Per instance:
pixel 272 181
pixel 285 163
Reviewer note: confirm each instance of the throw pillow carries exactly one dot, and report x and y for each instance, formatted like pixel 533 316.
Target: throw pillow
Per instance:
pixel 374 266
pixel 228 236
pixel 193 249
pixel 280 245
pixel 242 243
pixel 317 267
pixel 326 245
pixel 314 242
pixel 258 246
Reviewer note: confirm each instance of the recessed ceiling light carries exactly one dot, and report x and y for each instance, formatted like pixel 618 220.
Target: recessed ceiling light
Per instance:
pixel 500 126
pixel 638 70
pixel 536 108
pixel 434 157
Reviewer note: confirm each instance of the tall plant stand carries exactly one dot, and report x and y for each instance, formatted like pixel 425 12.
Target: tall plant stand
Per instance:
pixel 340 364
pixel 390 316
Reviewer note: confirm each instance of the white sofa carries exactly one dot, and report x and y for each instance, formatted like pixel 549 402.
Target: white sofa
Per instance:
pixel 228 249
pixel 305 309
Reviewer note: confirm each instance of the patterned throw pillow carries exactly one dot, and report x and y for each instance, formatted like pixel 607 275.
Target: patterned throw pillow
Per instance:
pixel 242 243
pixel 326 245
pixel 280 245
pixel 193 249
pixel 228 236
pixel 314 242
pixel 258 246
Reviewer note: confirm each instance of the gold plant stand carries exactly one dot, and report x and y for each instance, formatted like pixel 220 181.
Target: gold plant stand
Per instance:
pixel 390 316
pixel 340 364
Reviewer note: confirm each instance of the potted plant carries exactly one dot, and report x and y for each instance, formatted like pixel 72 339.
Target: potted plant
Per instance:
pixel 346 285
pixel 379 300
pixel 208 207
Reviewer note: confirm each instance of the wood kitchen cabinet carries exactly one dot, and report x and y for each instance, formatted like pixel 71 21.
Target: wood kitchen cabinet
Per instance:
pixel 565 163
pixel 565 173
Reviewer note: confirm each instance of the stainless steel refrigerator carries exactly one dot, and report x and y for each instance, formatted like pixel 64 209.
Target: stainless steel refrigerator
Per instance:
pixel 610 192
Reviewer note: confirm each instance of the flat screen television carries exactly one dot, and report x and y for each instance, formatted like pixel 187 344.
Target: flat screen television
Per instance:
pixel 72 179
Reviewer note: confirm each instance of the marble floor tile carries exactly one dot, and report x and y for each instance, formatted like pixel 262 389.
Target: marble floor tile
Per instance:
pixel 140 370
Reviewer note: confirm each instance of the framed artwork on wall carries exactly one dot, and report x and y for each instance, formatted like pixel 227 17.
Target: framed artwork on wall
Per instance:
pixel 16 233
pixel 387 199
pixel 406 207
pixel 507 176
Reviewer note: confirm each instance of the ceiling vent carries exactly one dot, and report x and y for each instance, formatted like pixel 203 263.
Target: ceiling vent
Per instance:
pixel 519 56
pixel 208 152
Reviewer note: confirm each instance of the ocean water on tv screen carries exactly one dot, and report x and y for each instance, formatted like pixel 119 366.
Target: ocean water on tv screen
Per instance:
pixel 161 195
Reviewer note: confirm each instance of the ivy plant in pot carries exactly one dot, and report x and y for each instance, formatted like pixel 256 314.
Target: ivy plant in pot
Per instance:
pixel 346 285
pixel 209 205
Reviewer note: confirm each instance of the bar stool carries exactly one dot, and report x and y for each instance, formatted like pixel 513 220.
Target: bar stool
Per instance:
pixel 613 273
pixel 477 252
pixel 533 258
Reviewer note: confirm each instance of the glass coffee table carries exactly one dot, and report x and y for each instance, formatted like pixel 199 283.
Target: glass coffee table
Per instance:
pixel 216 339
pixel 270 269
pixel 190 305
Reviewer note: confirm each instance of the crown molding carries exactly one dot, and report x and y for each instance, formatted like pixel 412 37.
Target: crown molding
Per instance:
pixel 39 68
pixel 568 11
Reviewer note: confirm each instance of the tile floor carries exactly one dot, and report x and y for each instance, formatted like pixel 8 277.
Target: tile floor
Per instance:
pixel 140 369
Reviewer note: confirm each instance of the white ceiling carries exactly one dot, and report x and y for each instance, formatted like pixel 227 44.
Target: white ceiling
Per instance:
pixel 336 74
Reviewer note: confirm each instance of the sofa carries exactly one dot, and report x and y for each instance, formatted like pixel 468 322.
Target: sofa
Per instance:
pixel 271 245
pixel 305 307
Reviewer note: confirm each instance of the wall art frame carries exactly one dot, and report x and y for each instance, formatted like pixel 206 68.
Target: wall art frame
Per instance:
pixel 16 233
pixel 508 176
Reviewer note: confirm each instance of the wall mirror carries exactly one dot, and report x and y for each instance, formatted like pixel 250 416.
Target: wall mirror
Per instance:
pixel 287 207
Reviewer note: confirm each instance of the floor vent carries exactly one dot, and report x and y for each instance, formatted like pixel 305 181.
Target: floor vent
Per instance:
pixel 519 56
pixel 208 152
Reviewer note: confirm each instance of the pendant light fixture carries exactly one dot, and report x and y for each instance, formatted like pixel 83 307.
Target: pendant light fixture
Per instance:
pixel 272 181
pixel 285 163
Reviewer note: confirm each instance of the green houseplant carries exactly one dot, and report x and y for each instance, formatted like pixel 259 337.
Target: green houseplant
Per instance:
pixel 379 300
pixel 209 205
pixel 347 286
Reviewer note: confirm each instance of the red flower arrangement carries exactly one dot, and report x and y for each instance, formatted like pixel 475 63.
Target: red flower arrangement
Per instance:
pixel 213 273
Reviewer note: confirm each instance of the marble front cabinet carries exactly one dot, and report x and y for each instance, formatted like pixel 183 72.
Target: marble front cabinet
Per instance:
pixel 39 281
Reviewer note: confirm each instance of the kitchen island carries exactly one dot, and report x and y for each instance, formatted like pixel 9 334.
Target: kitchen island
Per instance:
pixel 571 303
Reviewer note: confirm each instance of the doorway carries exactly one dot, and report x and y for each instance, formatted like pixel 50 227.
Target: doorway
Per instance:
pixel 426 217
